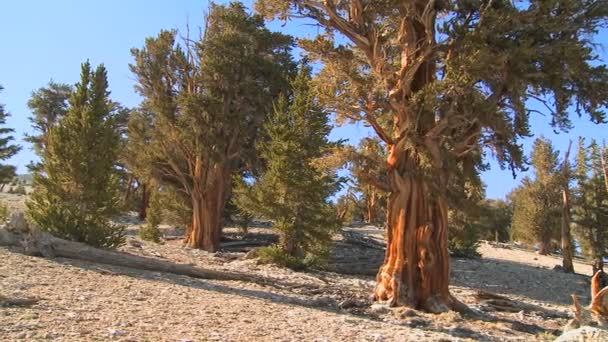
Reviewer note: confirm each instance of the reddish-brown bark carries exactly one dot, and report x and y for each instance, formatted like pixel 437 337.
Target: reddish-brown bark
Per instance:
pixel 371 207
pixel 145 202
pixel 207 208
pixel 416 267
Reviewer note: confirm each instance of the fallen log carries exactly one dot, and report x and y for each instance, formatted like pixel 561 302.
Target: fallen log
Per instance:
pixel 502 303
pixel 357 238
pixel 31 241
pixel 19 302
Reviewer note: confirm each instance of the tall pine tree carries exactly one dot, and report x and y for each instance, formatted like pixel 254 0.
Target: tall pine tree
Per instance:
pixel 293 192
pixel 7 148
pixel 439 81
pixel 537 203
pixel 48 105
pixel 208 100
pixel 76 190
pixel 590 209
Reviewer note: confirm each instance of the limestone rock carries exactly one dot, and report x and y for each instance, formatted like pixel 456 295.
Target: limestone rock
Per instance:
pixel 584 334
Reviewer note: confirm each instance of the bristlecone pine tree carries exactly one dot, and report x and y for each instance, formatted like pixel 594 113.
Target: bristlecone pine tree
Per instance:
pixel 207 100
pixel 7 150
pixel 150 231
pixel 368 159
pixel 537 204
pixel 590 202
pixel 48 105
pixel 437 80
pixel 76 190
pixel 294 192
pixel 138 159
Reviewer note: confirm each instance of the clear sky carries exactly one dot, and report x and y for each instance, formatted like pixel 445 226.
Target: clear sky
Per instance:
pixel 43 40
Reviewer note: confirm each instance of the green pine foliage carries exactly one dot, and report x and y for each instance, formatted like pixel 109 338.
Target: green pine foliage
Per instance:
pixel 76 192
pixel 207 99
pixel 4 212
pixel 293 192
pixel 537 203
pixel 150 231
pixel 7 148
pixel 590 202
pixel 48 105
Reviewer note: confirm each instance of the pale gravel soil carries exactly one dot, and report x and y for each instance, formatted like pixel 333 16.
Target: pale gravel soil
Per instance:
pixel 82 301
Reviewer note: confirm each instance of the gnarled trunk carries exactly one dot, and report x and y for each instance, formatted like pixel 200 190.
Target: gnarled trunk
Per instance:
pixel 416 267
pixel 207 209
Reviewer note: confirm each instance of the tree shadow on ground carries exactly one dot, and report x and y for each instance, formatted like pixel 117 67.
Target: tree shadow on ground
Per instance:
pixel 492 275
pixel 513 278
pixel 295 294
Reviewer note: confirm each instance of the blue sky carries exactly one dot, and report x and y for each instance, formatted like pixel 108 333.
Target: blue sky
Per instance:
pixel 44 40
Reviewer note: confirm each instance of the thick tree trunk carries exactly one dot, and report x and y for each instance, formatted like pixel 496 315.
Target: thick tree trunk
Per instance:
pixel 566 236
pixel 543 248
pixel 207 211
pixel 145 202
pixel 416 267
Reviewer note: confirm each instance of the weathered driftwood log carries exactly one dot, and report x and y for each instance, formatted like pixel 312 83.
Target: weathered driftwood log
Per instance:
pixel 31 241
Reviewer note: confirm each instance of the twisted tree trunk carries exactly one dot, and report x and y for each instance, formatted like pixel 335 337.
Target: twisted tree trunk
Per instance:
pixel 207 209
pixel 416 267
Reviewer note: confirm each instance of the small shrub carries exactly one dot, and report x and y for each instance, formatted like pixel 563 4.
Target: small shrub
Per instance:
pixel 276 255
pixel 20 190
pixel 150 231
pixel 464 242
pixel 244 220
pixel 4 211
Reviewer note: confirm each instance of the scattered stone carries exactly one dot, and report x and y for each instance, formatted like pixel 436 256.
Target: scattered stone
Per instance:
pixel 252 254
pixel 417 322
pixel 405 312
pixel 135 243
pixel 114 332
pixel 380 308
pixel 351 303
pixel 584 334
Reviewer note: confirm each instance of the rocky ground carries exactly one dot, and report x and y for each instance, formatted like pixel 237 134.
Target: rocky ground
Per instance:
pixel 82 301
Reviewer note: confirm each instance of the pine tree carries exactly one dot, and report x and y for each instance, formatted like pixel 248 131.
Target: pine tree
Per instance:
pixel 150 231
pixel 566 235
pixel 590 207
pixel 76 191
pixel 293 192
pixel 368 159
pixel 48 105
pixel 138 159
pixel 208 99
pixel 7 150
pixel 439 81
pixel 537 203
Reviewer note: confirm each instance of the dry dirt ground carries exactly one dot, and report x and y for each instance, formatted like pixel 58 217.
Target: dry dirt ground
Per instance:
pixel 82 301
